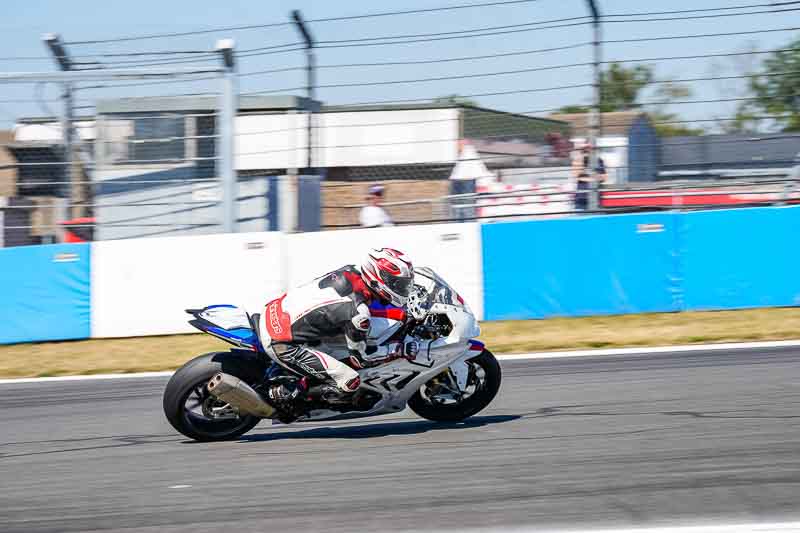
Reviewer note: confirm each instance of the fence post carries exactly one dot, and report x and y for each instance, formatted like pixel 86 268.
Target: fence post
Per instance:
pixel 61 57
pixel 225 141
pixel 297 17
pixel 596 115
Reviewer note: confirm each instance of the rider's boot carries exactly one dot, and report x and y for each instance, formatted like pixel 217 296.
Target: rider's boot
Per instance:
pixel 287 397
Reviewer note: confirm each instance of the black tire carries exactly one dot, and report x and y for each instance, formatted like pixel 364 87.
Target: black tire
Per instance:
pixel 196 373
pixel 469 407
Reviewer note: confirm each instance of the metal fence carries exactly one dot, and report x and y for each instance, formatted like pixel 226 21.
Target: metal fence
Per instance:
pixel 108 171
pixel 555 201
pixel 534 115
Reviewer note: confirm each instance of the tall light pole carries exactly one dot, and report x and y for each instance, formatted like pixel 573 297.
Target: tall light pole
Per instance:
pixel 596 115
pixel 297 18
pixel 596 121
pixel 61 56
pixel 227 116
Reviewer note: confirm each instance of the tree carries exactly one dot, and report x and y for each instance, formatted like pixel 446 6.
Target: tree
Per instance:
pixel 621 89
pixel 776 88
pixel 574 109
pixel 732 80
pixel 745 120
pixel 669 124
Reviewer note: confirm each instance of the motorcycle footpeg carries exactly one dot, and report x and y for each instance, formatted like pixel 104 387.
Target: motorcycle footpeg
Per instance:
pixel 329 394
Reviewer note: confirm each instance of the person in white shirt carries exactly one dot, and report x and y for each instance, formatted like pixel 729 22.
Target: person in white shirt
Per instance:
pixel 373 215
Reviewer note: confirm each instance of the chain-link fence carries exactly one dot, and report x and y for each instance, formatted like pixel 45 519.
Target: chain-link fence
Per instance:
pixel 120 167
pixel 424 115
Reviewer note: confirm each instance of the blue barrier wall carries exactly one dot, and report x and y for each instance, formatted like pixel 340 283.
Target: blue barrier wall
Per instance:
pixel 704 260
pixel 45 293
pixel 581 266
pixel 738 258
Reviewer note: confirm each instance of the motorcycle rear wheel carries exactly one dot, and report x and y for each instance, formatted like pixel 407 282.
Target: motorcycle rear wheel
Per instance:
pixel 188 387
pixel 475 403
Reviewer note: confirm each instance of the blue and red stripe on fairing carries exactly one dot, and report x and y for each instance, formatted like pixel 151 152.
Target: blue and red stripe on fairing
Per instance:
pixel 243 337
pixel 378 310
pixel 476 346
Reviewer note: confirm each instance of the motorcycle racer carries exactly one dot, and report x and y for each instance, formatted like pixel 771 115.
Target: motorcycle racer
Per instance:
pixel 293 325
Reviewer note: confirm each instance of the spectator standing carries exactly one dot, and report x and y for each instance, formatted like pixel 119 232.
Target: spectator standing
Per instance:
pixel 373 215
pixel 586 178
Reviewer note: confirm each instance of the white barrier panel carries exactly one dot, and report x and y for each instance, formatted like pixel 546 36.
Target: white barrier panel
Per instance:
pixel 142 286
pixel 452 250
pixel 394 137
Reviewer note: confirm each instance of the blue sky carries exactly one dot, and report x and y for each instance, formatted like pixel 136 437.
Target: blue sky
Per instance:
pixel 24 23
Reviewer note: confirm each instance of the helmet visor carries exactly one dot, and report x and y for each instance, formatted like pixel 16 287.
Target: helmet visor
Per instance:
pixel 398 285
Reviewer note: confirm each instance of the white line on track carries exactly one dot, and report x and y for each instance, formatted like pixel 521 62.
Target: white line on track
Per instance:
pixel 645 350
pixel 133 375
pixel 778 527
pixel 730 346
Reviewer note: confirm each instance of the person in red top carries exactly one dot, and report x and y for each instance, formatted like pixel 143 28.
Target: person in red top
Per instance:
pixel 334 304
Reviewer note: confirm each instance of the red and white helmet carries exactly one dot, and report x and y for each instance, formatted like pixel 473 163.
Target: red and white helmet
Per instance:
pixel 390 275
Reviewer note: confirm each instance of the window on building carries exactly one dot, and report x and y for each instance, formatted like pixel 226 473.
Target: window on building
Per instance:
pixel 157 138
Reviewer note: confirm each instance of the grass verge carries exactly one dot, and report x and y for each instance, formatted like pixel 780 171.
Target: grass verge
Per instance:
pixel 143 354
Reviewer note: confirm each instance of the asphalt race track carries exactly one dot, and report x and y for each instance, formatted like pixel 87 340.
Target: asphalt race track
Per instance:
pixel 590 442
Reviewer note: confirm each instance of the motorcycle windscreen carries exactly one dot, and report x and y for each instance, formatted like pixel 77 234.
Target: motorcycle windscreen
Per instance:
pixel 227 322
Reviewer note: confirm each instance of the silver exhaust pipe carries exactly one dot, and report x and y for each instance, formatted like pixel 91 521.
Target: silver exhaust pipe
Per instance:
pixel 240 395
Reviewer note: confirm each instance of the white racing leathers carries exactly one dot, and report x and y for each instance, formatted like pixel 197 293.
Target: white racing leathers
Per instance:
pixel 335 304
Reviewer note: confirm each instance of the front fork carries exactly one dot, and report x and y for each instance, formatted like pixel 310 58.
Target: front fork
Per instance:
pixel 458 373
pixel 461 368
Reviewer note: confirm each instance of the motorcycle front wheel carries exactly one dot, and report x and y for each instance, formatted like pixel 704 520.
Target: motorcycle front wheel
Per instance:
pixel 190 408
pixel 441 401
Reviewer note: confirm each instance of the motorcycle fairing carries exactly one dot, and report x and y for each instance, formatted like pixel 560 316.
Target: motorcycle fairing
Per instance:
pixel 227 322
pixel 385 320
pixel 398 380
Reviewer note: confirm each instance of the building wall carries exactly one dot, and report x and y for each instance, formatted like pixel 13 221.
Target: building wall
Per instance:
pixel 16 221
pixel 357 138
pixel 643 151
pixel 8 176
pixel 50 131
pixel 180 197
pixel 337 195
pixel 126 206
pixel 481 123
pixel 713 153
pixel 45 216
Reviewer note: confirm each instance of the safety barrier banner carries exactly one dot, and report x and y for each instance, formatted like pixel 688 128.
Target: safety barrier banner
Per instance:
pixel 580 266
pixel 576 266
pixel 142 286
pixel 737 258
pixel 45 292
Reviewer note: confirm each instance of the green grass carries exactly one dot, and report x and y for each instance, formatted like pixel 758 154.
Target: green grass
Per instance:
pixel 140 354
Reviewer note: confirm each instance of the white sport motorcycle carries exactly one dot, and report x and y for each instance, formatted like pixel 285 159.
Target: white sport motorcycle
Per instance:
pixel 448 375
